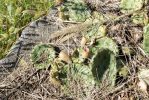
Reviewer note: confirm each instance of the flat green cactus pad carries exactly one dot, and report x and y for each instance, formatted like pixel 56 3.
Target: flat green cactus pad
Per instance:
pixel 140 18
pixel 131 5
pixel 108 43
pixel 42 55
pixel 104 66
pixel 146 39
pixel 76 10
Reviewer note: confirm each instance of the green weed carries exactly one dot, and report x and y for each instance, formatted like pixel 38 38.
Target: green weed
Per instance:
pixel 15 15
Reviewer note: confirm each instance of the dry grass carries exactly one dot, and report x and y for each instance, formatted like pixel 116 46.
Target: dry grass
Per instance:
pixel 28 83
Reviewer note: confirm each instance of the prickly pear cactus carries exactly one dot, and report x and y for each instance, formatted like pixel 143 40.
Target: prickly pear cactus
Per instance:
pixel 146 39
pixel 108 43
pixel 76 10
pixel 58 74
pixel 42 55
pixel 101 65
pixel 97 30
pixel 84 73
pixel 104 66
pixel 131 5
pixel 104 60
pixel 140 18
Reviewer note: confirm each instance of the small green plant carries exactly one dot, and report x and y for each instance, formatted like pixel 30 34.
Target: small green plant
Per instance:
pixel 15 15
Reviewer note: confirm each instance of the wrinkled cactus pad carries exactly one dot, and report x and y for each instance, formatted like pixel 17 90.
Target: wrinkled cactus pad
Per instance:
pixel 108 43
pixel 104 66
pixel 76 10
pixel 146 39
pixel 42 55
pixel 131 5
